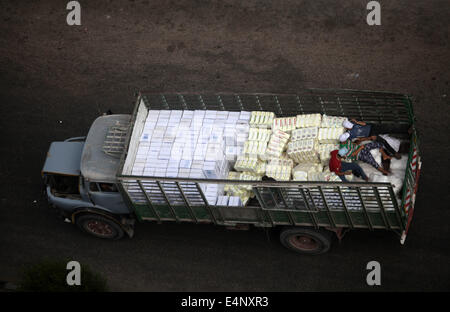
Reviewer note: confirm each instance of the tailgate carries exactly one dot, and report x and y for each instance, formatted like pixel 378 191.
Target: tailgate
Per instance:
pixel 411 183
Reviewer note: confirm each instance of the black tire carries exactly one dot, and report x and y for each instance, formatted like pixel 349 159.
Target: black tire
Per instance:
pixel 99 226
pixel 306 240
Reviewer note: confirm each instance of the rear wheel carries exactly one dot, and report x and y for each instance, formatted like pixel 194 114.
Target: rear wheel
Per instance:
pixel 99 226
pixel 306 240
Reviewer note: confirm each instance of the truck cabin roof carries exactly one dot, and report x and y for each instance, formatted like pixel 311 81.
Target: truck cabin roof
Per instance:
pixel 97 162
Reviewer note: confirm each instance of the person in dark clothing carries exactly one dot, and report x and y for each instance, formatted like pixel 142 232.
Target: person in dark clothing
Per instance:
pixel 359 131
pixel 387 151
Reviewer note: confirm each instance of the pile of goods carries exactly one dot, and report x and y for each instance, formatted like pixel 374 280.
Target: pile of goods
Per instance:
pixel 238 146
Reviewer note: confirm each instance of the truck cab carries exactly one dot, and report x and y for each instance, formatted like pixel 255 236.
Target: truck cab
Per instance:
pixel 80 179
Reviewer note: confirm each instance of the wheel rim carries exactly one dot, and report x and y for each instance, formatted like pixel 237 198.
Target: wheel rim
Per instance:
pixel 99 228
pixel 304 242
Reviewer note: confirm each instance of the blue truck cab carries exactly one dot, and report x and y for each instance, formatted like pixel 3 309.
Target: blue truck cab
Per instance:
pixel 80 179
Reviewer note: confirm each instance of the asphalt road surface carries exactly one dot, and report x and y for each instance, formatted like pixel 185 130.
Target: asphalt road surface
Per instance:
pixel 56 79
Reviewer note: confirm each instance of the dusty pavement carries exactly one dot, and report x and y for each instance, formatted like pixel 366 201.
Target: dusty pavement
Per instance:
pixel 55 79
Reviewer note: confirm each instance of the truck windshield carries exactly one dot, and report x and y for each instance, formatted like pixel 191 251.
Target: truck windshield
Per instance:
pixel 64 184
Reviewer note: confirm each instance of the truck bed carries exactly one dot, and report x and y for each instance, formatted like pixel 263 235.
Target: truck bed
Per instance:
pixel 317 204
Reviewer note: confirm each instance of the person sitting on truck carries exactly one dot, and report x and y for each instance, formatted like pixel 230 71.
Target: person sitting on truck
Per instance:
pixel 384 150
pixel 362 152
pixel 342 168
pixel 359 131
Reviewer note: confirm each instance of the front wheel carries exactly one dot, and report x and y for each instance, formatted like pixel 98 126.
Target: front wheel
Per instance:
pixel 306 240
pixel 99 226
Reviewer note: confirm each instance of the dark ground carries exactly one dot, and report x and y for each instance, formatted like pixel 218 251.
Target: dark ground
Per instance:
pixel 55 79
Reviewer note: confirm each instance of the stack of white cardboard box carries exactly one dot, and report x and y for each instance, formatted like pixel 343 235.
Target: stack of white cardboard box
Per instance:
pixel 200 144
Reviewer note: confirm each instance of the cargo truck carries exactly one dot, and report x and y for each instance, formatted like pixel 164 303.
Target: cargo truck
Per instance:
pixel 89 181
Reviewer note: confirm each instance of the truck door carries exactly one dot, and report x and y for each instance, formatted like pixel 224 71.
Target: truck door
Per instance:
pixel 63 191
pixel 107 195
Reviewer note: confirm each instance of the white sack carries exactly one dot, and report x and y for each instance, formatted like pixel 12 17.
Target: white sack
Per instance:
pixel 399 164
